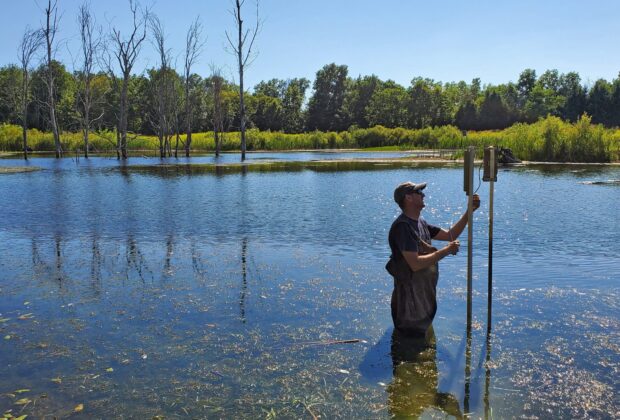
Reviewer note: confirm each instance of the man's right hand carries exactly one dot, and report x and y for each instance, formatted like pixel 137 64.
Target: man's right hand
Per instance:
pixel 453 247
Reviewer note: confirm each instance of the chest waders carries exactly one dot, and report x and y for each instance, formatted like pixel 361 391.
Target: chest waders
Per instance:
pixel 414 302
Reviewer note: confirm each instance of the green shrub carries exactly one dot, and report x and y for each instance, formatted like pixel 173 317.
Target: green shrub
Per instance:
pixel 549 139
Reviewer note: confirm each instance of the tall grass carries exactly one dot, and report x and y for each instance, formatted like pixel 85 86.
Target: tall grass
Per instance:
pixel 549 139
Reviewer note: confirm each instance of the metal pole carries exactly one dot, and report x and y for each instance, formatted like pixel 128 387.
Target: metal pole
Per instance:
pixel 492 164
pixel 470 231
pixel 467 390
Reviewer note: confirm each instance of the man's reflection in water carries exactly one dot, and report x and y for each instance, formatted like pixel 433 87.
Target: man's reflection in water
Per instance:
pixel 414 387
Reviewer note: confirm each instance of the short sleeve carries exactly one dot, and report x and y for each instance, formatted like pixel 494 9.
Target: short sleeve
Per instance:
pixel 433 230
pixel 404 238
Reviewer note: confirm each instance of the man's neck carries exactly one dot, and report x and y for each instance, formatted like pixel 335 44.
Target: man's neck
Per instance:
pixel 412 213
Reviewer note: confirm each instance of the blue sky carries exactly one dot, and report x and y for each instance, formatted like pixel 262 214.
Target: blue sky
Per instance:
pixel 394 39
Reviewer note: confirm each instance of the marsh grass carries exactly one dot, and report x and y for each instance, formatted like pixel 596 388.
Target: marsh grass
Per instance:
pixel 549 139
pixel 17 169
pixel 173 170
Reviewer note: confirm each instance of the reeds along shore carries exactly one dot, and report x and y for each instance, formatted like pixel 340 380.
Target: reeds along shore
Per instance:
pixel 549 139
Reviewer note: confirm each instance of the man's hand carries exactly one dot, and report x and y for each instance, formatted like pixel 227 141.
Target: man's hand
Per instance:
pixel 476 202
pixel 453 247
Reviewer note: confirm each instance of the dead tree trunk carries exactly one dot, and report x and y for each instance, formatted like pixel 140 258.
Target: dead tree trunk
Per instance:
pixel 51 27
pixel 126 51
pixel 90 44
pixel 31 41
pixel 122 138
pixel 193 45
pixel 242 60
pixel 162 83
pixel 218 119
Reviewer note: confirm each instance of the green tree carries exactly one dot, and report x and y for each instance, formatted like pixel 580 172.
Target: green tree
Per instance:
pixel 475 89
pixel 493 113
pixel 64 97
pixel 542 102
pixel 325 108
pixel 267 112
pixel 599 102
pixel 197 103
pixel 525 85
pixel 273 88
pixel 359 94
pixel 550 79
pixel 139 91
pixel 466 117
pixel 292 103
pixel 278 104
pixel 426 105
pixel 455 96
pixel 575 96
pixel 614 115
pixel 10 82
pixel 388 107
pixel 510 98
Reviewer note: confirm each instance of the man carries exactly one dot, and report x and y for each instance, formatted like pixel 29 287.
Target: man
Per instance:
pixel 413 262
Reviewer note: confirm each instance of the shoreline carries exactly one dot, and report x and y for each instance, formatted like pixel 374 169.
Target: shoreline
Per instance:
pixel 422 157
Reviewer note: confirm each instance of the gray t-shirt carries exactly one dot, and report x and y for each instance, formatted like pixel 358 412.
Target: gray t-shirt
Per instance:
pixel 406 233
pixel 414 302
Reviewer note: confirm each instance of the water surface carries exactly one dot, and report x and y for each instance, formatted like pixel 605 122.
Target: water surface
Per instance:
pixel 142 293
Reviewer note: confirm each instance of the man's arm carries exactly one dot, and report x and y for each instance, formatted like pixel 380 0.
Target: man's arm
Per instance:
pixel 456 229
pixel 418 261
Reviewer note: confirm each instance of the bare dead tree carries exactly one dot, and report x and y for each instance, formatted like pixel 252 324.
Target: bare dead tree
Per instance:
pixel 30 43
pixel 126 51
pixel 107 64
pixel 91 42
pixel 245 39
pixel 193 47
pixel 163 94
pixel 49 33
pixel 217 83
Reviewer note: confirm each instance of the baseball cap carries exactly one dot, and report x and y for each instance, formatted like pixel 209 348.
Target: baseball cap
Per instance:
pixel 407 188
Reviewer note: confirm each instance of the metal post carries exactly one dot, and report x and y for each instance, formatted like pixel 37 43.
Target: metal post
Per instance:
pixel 492 164
pixel 467 390
pixel 470 230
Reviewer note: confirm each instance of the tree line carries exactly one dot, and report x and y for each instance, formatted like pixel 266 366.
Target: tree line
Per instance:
pixel 104 93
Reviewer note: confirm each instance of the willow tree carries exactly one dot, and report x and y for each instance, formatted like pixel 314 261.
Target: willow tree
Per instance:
pixel 243 52
pixel 30 43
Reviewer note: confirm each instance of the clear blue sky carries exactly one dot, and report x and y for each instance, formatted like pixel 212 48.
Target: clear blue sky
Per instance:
pixel 394 39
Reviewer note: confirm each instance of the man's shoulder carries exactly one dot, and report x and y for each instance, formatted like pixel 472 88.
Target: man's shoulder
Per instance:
pixel 400 219
pixel 402 222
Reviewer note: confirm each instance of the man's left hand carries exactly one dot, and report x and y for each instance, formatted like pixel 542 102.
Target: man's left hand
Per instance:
pixel 476 201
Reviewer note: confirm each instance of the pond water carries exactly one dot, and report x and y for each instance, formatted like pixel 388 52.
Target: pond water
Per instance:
pixel 149 293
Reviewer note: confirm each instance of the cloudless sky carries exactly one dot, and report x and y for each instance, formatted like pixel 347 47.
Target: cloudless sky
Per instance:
pixel 445 40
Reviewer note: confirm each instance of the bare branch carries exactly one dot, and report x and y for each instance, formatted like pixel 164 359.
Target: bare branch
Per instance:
pixel 242 60
pixel 159 40
pixel 91 40
pixel 31 41
pixel 126 51
pixel 193 45
pixel 49 32
pixel 257 29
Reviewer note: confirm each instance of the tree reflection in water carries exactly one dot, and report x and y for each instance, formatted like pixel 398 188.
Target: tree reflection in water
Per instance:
pixel 414 386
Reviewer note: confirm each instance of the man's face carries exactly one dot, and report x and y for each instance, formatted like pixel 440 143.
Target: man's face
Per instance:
pixel 417 199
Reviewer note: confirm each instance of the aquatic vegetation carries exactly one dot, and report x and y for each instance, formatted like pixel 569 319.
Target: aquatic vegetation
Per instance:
pixel 263 294
pixel 549 139
pixel 17 169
